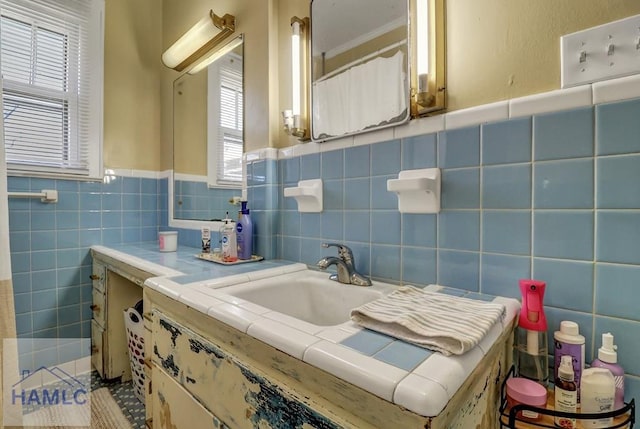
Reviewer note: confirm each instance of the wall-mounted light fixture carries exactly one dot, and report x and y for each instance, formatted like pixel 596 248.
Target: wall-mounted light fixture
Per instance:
pixel 206 34
pixel 216 54
pixel 296 119
pixel 428 92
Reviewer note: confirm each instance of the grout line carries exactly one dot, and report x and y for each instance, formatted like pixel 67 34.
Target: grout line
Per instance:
pixel 595 235
pixel 437 215
pixel 481 208
pixel 532 177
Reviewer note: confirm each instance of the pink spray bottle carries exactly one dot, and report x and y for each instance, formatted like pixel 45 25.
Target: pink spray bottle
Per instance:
pixel 531 335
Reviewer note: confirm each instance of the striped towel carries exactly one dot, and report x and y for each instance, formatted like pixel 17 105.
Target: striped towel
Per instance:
pixel 445 323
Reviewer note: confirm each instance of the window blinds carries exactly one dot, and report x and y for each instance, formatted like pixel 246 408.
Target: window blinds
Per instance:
pixel 51 58
pixel 230 137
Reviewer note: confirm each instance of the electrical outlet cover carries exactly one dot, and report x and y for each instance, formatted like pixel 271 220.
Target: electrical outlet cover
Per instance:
pixel 599 53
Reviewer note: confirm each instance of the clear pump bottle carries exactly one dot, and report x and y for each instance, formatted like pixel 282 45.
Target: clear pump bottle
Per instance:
pixel 531 335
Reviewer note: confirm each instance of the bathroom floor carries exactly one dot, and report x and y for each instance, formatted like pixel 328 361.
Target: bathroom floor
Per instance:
pixel 131 407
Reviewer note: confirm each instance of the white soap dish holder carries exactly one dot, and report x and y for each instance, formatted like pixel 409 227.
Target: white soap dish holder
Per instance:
pixel 308 195
pixel 418 191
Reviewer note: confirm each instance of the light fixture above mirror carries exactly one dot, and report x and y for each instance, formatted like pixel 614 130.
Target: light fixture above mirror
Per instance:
pixel 205 35
pixel 216 55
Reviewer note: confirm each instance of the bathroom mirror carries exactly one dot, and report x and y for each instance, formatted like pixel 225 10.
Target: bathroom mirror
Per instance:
pixel 359 66
pixel 208 138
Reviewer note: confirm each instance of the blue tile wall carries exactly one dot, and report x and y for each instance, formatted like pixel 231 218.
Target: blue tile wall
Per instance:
pixel 551 196
pixel 264 199
pixel 562 135
pixel 195 200
pixel 49 243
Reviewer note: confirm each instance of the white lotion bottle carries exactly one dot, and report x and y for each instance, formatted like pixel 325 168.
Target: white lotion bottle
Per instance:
pixel 597 393
pixel 568 341
pixel 608 358
pixel 228 241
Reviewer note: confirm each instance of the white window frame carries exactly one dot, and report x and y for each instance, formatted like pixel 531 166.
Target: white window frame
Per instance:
pixel 94 98
pixel 213 123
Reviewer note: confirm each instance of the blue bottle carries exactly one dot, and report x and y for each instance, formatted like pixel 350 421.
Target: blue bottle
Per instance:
pixel 244 229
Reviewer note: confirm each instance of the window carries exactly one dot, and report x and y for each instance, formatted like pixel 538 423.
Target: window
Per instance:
pixel 51 59
pixel 225 121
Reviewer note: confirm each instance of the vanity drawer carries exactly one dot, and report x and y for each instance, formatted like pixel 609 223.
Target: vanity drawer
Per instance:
pixel 99 306
pixel 98 274
pixel 175 408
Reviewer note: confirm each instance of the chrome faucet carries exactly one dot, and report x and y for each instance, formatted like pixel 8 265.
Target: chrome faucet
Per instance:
pixel 344 263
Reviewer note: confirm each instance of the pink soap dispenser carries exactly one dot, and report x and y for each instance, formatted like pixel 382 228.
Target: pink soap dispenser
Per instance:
pixel 531 335
pixel 608 358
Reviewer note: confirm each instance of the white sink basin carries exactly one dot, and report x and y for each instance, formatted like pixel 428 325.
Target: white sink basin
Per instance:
pixel 309 295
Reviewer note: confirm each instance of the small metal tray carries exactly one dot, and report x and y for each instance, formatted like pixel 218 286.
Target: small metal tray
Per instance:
pixel 217 258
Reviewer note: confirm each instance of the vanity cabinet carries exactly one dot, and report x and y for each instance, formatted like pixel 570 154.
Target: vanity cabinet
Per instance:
pixel 116 286
pixel 201 376
pixel 229 377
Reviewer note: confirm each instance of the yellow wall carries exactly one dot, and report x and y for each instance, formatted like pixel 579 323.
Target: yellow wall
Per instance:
pixel 132 49
pixel 252 20
pixel 190 124
pixel 397 35
pixel 496 50
pixel 502 49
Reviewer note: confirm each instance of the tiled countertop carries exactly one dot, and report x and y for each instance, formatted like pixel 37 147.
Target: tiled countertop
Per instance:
pixel 182 267
pixel 410 376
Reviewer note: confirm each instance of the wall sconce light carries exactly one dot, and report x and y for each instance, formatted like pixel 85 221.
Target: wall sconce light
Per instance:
pixel 296 119
pixel 422 42
pixel 428 80
pixel 207 33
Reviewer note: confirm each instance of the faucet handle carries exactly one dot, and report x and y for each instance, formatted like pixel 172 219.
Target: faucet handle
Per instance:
pixel 344 252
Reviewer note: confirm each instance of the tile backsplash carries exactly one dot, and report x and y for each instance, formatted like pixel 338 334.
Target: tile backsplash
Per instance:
pixel 195 200
pixel 550 195
pixel 50 258
pixel 553 196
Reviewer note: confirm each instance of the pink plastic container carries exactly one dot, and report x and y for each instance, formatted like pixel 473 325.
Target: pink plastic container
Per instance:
pixel 525 391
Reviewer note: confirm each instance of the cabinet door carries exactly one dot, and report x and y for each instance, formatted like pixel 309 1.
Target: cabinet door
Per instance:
pixel 121 293
pixel 148 351
pixel 175 408
pixel 97 337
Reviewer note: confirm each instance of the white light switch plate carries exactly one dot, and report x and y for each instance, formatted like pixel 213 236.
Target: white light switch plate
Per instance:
pixel 603 52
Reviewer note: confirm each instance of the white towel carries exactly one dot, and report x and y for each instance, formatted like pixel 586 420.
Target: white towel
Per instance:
pixel 445 323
